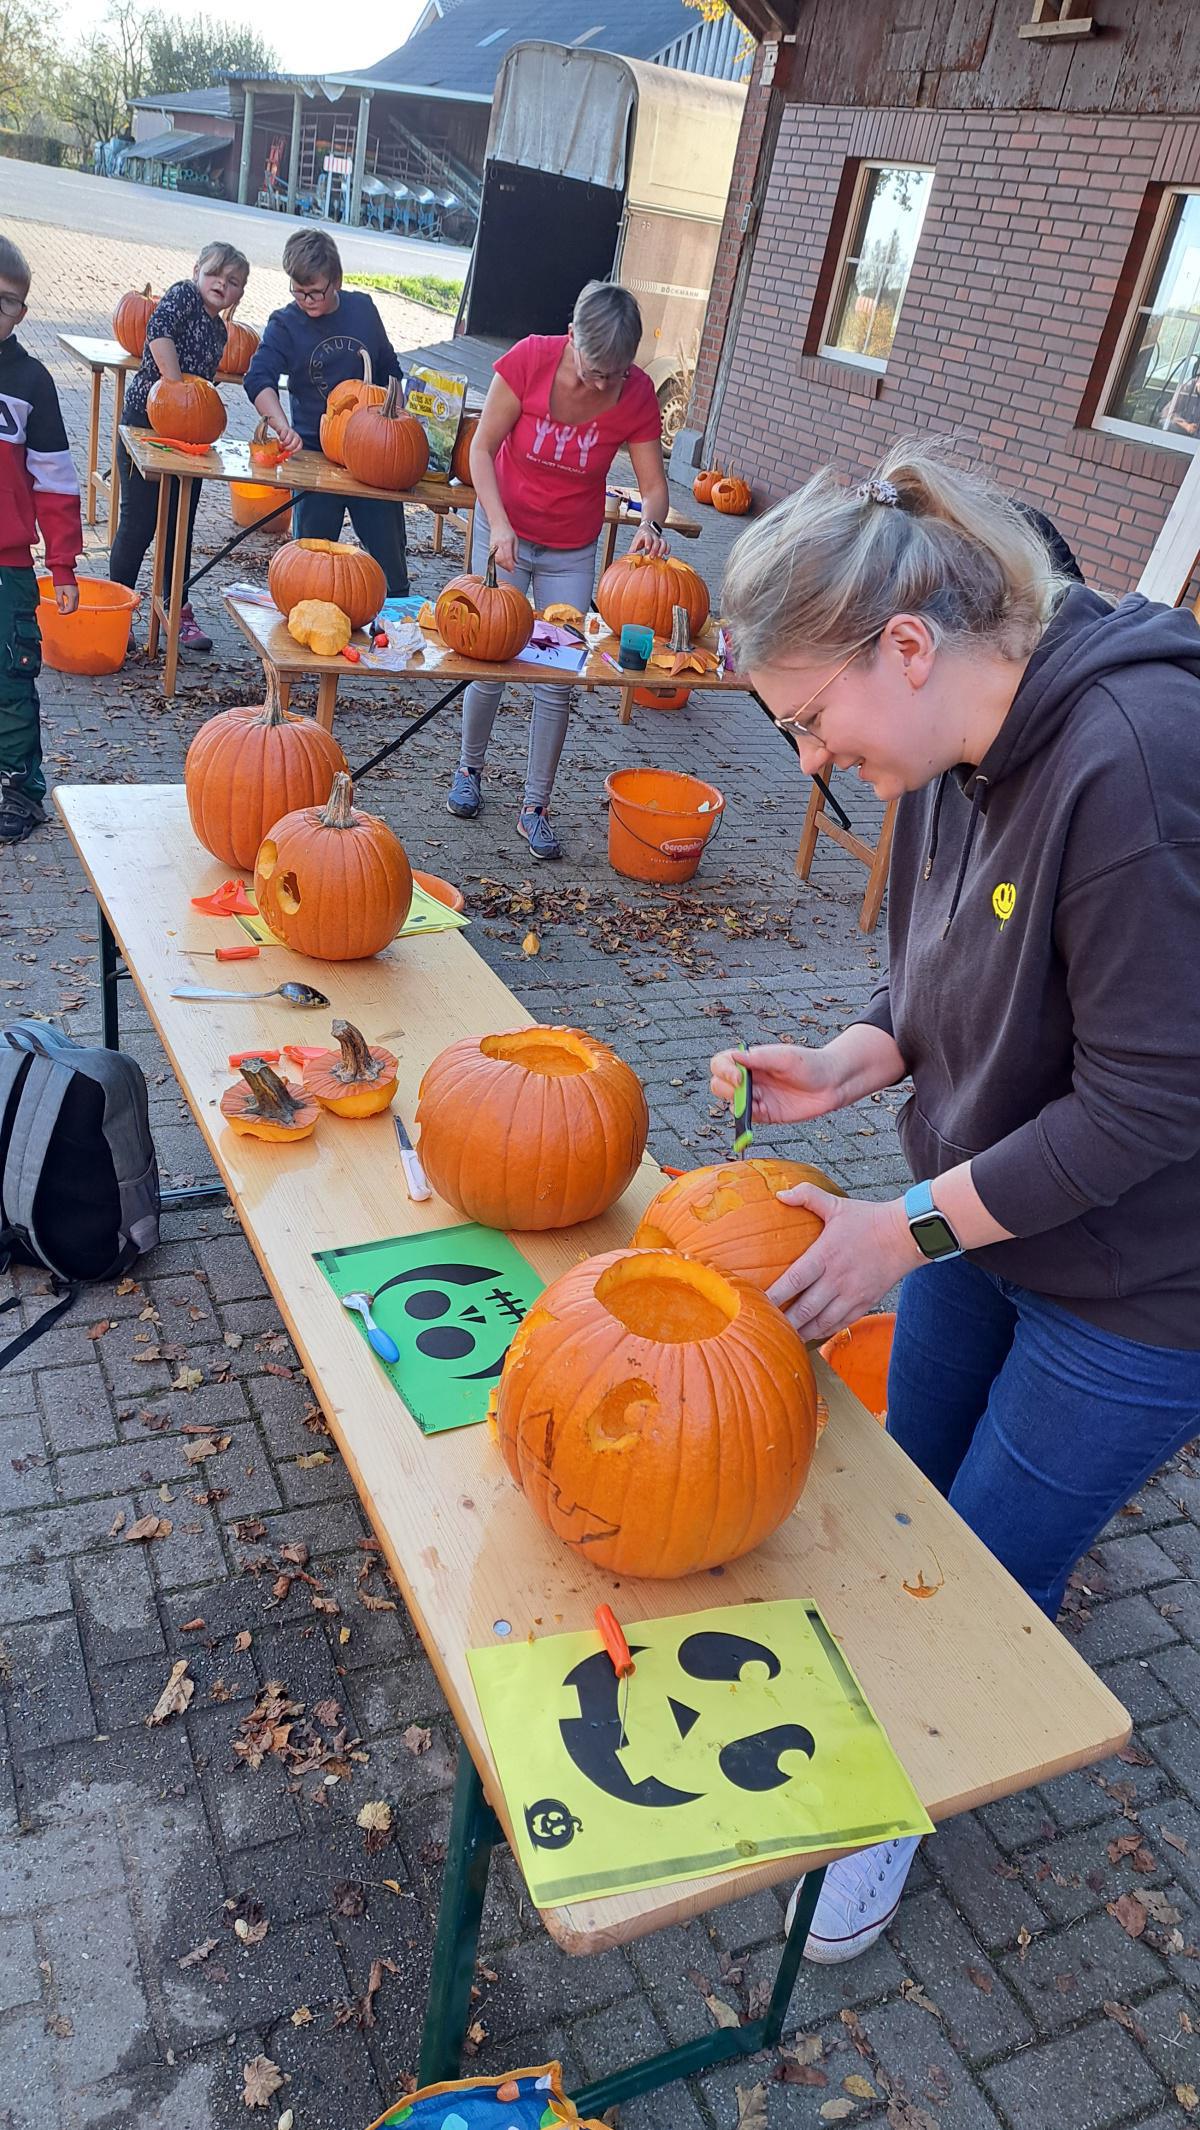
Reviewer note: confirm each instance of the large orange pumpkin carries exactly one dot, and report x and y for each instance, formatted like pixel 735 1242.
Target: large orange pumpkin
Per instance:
pixel 460 458
pixel 732 495
pixel 484 619
pixel 642 589
pixel 539 1128
pixel 730 1218
pixel 131 317
pixel 702 486
pixel 384 447
pixel 188 412
pixel 328 570
pixel 241 344
pixel 659 1418
pixel 332 882
pixel 246 768
pixel 345 400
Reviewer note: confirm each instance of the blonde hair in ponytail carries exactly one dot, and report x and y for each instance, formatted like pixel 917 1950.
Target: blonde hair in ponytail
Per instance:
pixel 825 571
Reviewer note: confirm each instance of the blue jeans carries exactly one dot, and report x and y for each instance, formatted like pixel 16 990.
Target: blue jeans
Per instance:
pixel 558 575
pixel 1036 1426
pixel 380 527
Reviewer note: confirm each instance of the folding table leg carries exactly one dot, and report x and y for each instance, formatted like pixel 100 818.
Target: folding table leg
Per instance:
pixel 175 603
pixel 110 976
pixel 93 447
pixel 474 1832
pixel 726 2042
pixel 156 566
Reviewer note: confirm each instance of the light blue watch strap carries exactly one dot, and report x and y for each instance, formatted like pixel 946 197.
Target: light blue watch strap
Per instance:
pixel 918 1199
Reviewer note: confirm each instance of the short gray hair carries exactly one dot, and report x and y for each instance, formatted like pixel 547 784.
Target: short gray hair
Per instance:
pixel 607 325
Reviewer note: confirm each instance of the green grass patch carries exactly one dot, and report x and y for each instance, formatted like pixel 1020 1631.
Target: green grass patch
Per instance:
pixel 436 293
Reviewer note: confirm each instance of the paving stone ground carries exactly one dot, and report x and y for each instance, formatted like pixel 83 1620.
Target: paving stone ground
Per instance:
pixel 1007 1992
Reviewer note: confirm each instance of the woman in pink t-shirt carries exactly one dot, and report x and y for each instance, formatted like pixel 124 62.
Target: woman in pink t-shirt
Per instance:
pixel 559 409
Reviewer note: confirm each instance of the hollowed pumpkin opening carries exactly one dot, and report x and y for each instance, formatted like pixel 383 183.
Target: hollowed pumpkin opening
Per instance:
pixel 669 1299
pixel 288 894
pixel 556 1057
pixel 268 855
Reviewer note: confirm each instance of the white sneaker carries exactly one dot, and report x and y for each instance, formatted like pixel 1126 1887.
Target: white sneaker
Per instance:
pixel 857 1901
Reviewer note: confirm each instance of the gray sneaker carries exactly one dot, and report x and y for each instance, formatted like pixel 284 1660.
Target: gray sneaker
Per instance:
pixel 465 796
pixel 533 822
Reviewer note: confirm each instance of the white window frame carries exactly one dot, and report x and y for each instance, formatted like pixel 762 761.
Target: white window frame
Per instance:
pixel 828 349
pixel 1109 424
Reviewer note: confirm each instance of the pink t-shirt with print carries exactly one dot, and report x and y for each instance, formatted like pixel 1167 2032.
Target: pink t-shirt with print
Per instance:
pixel 552 474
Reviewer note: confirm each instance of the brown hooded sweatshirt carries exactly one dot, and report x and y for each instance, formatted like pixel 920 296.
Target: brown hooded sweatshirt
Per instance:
pixel 1044 987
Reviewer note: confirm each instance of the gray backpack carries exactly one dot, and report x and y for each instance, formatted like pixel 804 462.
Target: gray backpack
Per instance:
pixel 78 1175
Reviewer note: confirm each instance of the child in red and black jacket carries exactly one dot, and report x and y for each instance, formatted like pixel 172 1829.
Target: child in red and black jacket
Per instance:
pixel 39 489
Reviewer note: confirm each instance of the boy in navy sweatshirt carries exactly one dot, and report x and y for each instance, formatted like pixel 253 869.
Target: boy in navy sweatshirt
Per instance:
pixel 319 339
pixel 39 490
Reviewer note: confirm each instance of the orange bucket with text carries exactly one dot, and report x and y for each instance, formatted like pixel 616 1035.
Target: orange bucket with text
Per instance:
pixel 659 822
pixel 860 1356
pixel 95 638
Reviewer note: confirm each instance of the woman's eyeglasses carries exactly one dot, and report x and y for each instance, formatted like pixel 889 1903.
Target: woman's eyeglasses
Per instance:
pixel 792 722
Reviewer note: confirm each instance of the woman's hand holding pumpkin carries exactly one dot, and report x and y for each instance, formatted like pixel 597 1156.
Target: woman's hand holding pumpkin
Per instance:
pixel 865 1247
pixel 504 546
pixel 647 542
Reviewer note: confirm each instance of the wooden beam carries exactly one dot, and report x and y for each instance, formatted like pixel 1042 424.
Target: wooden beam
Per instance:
pixel 1174 555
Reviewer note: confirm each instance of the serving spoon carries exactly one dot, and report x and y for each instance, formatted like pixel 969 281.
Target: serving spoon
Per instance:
pixel 294 994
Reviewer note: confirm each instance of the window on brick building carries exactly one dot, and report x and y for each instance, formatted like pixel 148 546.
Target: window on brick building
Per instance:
pixel 1154 389
pixel 883 231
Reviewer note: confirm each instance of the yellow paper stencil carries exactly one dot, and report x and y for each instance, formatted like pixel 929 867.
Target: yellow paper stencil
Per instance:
pixel 743 1735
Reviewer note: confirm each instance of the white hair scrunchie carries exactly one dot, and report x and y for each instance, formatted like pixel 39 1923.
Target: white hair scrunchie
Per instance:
pixel 876 491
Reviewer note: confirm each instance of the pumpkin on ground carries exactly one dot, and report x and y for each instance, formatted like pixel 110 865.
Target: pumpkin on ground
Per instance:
pixel 327 569
pixel 732 495
pixel 262 1106
pixel 320 625
pixel 246 768
pixel 356 1079
pixel 333 882
pixel 539 1128
pixel 252 501
pixel 241 346
pixel 384 447
pixel 644 590
pixel 460 457
pixel 345 400
pixel 131 317
pixel 189 412
pixel 658 1417
pixel 702 486
pixel 729 1217
pixel 483 618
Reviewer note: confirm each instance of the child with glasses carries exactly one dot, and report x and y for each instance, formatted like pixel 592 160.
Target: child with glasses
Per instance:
pixel 318 340
pixel 185 337
pixel 39 491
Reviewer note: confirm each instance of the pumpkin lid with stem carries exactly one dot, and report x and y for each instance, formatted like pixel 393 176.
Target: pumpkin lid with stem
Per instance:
pixel 264 1095
pixel 358 1061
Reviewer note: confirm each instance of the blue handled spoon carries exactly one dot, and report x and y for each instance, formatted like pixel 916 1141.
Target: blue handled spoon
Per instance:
pixel 381 1342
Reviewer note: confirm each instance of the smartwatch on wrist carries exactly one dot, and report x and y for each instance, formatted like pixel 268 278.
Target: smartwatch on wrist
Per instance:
pixel 659 531
pixel 930 1230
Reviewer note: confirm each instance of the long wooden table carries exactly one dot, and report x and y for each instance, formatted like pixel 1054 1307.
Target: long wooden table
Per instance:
pixel 307 472
pixel 265 629
pixel 981 1696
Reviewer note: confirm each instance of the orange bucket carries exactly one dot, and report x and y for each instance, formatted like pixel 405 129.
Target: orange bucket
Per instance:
pixel 95 638
pixel 860 1356
pixel 251 500
pixel 661 698
pixel 441 890
pixel 659 822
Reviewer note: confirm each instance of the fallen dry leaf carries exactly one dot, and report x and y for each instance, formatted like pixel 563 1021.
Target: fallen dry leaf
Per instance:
pixel 301 2016
pixel 531 945
pixel 148 1527
pixel 981 1979
pixel 232 1339
pixel 375 1817
pixel 723 2013
pixel 1130 1912
pixel 308 1458
pixel 251 1933
pixel 914 1994
pixel 752 2108
pixel 262 2079
pixel 349 1897
pixel 175 1695
pixel 1123 2017
pixel 1188 2098
pixel 97 1331
pixel 860 2087
pixel 205 1446
pixel 198 1953
pixel 366 2010
pixel 193 1626
pixel 118 1524
pixel 242 1640
pixel 1175 1841
pixel 835 2111
pixel 417 1740
pixel 191 1379
pixel 1158 1907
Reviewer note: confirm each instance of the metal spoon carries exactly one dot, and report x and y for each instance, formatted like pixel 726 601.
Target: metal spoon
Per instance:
pixel 384 1346
pixel 295 994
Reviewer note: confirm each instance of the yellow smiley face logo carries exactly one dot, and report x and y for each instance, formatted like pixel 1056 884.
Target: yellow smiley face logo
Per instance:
pixel 1004 900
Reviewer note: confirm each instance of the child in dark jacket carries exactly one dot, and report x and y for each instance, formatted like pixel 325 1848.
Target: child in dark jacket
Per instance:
pixel 39 489
pixel 185 336
pixel 319 340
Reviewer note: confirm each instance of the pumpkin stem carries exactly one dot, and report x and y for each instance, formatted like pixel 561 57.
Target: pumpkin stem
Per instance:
pixel 273 712
pixel 366 365
pixel 489 575
pixel 337 811
pixel 681 635
pixel 272 1096
pixel 357 1062
pixel 262 433
pixel 393 405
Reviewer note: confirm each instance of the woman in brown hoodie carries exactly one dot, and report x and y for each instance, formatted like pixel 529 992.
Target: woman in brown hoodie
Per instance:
pixel 1044 938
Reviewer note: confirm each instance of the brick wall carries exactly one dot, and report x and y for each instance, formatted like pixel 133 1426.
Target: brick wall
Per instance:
pixel 1027 254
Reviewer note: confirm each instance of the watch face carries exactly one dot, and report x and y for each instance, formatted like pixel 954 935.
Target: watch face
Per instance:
pixel 934 1235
